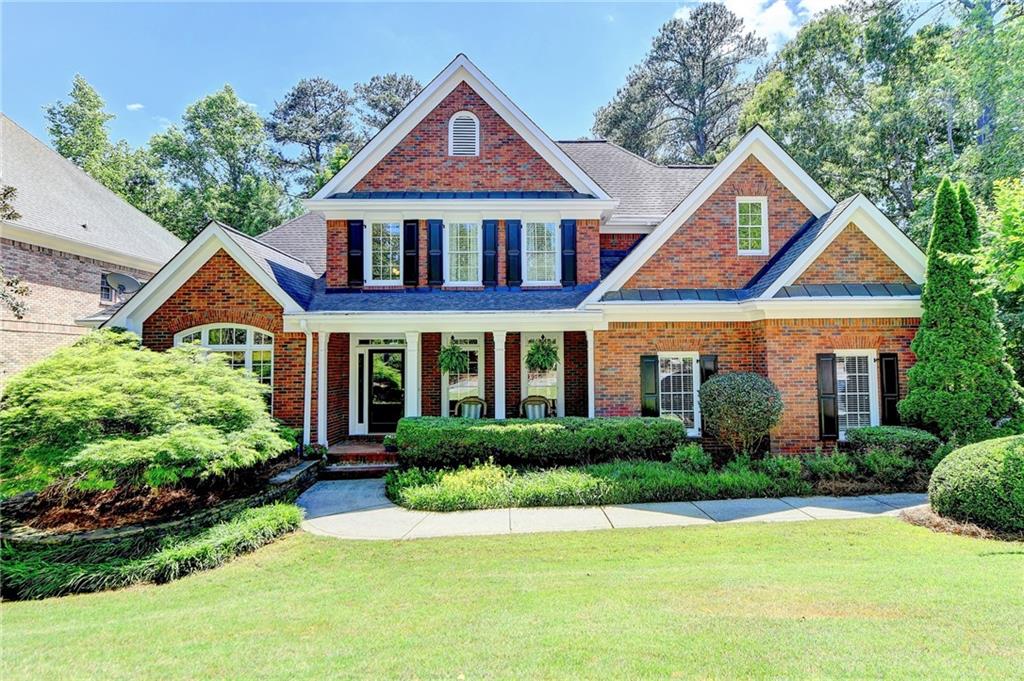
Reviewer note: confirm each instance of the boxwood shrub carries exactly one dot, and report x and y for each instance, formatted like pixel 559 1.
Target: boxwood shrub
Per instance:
pixel 913 442
pixel 982 483
pixel 433 442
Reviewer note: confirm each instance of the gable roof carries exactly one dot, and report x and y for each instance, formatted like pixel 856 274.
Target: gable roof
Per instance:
pixel 461 69
pixel 646 191
pixel 304 238
pixel 61 204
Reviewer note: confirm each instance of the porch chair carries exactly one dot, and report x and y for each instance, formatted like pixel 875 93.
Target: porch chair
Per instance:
pixel 471 408
pixel 536 407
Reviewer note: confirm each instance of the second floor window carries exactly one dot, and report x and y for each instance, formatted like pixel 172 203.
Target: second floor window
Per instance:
pixel 540 253
pixel 464 253
pixel 385 262
pixel 752 225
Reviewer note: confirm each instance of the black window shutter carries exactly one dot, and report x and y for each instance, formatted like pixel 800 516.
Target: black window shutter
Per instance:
pixel 411 261
pixel 889 366
pixel 828 407
pixel 513 252
pixel 490 277
pixel 708 367
pixel 435 252
pixel 649 385
pixel 568 252
pixel 355 253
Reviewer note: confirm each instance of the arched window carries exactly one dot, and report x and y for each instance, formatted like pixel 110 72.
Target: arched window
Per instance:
pixel 464 135
pixel 247 347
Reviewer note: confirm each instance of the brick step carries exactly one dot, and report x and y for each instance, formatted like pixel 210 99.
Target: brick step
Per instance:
pixel 362 457
pixel 355 471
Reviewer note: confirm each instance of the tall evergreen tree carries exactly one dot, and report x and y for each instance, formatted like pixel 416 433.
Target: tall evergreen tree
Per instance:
pixel 961 387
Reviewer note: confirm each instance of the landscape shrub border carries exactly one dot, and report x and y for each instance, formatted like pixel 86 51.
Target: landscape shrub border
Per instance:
pixel 982 483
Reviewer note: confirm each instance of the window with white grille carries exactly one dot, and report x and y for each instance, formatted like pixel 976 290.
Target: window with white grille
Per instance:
pixel 540 253
pixel 854 389
pixel 385 261
pixel 245 347
pixel 464 135
pixel 464 258
pixel 752 225
pixel 677 388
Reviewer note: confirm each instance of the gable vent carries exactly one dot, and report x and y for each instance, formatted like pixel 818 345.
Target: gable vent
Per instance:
pixel 464 135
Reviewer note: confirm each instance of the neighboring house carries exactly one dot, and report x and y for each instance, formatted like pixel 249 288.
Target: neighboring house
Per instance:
pixel 72 233
pixel 461 220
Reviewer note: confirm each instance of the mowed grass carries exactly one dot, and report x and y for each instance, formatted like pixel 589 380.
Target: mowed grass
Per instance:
pixel 860 598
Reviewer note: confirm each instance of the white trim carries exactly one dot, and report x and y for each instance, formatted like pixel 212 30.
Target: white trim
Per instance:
pixel 359 209
pixel 694 358
pixel 375 324
pixel 751 310
pixel 874 398
pixel 412 388
pixel 763 202
pixel 446 258
pixel 451 134
pixel 876 226
pixel 481 365
pixel 524 339
pixel 307 395
pixel 322 341
pixel 368 252
pixel 755 143
pixel 459 70
pixel 355 350
pixel 590 374
pixel 187 262
pixel 27 235
pixel 613 226
pixel 499 374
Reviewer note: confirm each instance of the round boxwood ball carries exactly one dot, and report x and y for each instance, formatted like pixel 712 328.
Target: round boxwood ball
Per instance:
pixel 739 409
pixel 982 483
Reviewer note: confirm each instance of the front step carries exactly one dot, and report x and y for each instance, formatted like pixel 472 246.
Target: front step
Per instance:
pixel 337 471
pixel 360 453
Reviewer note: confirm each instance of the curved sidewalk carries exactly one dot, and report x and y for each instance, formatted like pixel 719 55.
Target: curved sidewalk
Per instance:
pixel 358 509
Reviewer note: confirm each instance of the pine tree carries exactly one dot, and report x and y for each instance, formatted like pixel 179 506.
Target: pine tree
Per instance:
pixel 961 386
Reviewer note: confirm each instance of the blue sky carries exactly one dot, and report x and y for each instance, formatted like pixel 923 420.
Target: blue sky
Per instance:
pixel 558 61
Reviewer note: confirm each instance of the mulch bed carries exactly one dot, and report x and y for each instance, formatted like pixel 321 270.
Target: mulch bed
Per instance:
pixel 924 516
pixel 62 509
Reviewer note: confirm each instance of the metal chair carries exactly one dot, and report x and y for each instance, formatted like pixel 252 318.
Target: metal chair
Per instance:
pixel 536 407
pixel 471 408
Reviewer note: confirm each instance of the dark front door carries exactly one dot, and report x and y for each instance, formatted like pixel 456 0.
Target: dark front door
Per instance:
pixel 387 389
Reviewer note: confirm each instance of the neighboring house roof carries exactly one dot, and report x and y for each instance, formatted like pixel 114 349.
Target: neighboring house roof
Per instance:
pixel 647 192
pixel 304 237
pixel 67 209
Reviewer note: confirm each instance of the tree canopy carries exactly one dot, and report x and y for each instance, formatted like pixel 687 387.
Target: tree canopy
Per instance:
pixel 382 97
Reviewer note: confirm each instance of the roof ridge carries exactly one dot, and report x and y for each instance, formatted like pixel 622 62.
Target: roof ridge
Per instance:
pixel 284 224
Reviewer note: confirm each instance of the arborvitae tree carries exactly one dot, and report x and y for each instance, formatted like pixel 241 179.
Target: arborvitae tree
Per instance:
pixel 961 387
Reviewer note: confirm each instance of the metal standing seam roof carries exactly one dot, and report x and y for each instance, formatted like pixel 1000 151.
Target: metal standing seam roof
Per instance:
pixel 58 198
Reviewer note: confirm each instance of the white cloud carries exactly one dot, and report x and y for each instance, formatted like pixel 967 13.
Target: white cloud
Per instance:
pixel 136 107
pixel 774 21
pixel 812 7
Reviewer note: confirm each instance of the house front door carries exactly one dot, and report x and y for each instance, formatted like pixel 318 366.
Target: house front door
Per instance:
pixel 387 390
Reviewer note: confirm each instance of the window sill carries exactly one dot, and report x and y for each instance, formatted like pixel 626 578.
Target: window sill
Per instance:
pixel 541 285
pixel 462 287
pixel 752 254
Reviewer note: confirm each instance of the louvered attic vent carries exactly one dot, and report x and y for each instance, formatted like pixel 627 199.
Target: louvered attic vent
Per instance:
pixel 464 135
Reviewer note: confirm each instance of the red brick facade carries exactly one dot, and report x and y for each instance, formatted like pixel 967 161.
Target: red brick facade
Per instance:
pixel 853 258
pixel 420 162
pixel 702 252
pixel 337 386
pixel 620 242
pixel 337 253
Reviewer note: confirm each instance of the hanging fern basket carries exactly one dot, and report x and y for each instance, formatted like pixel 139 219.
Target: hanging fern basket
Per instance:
pixel 542 355
pixel 453 359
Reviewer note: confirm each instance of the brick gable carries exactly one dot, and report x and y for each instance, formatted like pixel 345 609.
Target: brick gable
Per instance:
pixel 420 162
pixel 853 258
pixel 702 252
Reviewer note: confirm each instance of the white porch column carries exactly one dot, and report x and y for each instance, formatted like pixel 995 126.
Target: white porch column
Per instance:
pixel 412 373
pixel 323 338
pixel 308 396
pixel 590 373
pixel 499 374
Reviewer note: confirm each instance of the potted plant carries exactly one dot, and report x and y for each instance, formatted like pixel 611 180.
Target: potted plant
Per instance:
pixel 453 359
pixel 542 355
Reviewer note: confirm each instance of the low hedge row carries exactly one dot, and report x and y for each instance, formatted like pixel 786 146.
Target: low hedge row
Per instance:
pixel 432 442
pixel 982 483
pixel 913 442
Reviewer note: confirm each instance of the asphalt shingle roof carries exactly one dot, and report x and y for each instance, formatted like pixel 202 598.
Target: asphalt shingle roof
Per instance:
pixel 304 237
pixel 293 275
pixel 57 198
pixel 435 300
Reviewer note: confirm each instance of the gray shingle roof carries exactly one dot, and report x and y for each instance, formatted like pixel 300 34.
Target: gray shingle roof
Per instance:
pixel 434 300
pixel 304 237
pixel 642 187
pixel 55 197
pixel 294 276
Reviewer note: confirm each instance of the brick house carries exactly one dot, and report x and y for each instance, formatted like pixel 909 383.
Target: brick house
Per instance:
pixel 462 222
pixel 73 232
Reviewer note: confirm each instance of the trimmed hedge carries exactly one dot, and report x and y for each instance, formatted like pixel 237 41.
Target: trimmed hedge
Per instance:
pixel 433 442
pixel 983 484
pixel 913 442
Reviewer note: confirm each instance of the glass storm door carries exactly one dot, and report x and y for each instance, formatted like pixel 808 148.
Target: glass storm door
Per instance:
pixel 387 390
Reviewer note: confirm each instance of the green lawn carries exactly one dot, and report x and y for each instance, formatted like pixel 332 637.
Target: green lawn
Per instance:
pixel 861 598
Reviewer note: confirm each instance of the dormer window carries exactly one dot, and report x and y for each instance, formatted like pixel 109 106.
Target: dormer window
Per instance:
pixel 464 135
pixel 752 225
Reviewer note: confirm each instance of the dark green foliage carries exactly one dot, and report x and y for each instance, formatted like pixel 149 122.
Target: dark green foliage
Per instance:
pixel 434 442
pixel 116 413
pixel 542 354
pixel 913 442
pixel 452 359
pixel 830 467
pixel 691 458
pixel 885 466
pixel 982 483
pixel 740 409
pixel 43 571
pixel 962 386
pixel 780 467
pixel 615 482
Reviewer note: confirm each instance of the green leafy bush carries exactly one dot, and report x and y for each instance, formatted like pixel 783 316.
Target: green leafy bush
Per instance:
pixel 913 442
pixel 691 458
pixel 832 467
pixel 740 409
pixel 982 483
pixel 116 413
pixel 43 571
pixel 885 466
pixel 780 467
pixel 434 442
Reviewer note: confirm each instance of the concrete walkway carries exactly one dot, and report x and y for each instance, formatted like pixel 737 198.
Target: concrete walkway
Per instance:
pixel 358 509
